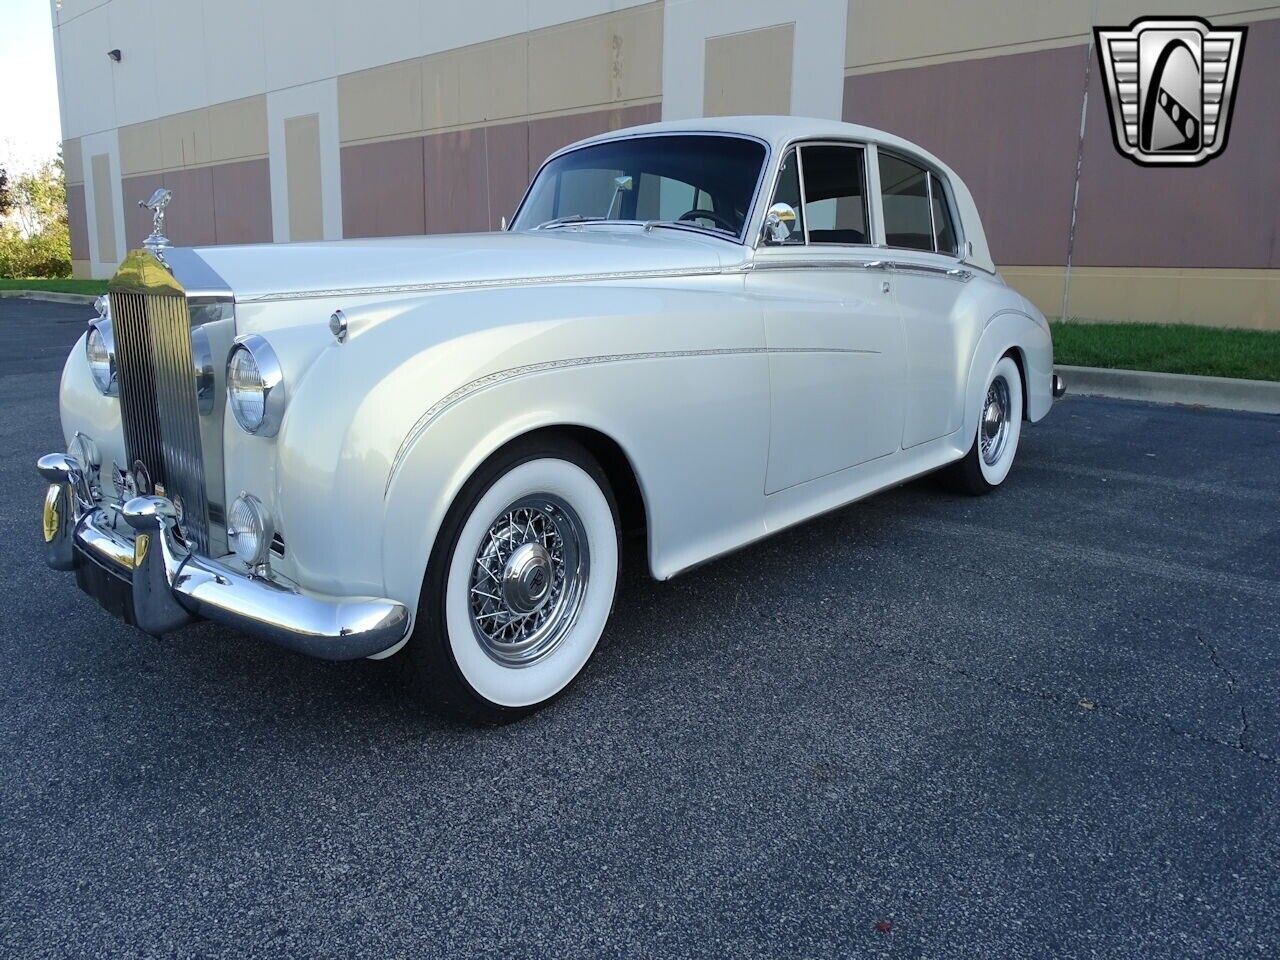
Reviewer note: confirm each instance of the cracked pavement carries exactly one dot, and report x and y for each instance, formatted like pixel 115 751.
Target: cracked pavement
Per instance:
pixel 1041 723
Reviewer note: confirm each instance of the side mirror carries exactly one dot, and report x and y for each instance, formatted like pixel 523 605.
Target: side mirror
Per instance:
pixel 779 221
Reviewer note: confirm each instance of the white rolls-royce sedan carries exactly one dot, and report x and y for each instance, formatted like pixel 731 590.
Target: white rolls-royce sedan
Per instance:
pixel 425 448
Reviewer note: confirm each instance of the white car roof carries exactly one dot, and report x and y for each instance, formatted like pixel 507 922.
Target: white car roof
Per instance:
pixel 779 131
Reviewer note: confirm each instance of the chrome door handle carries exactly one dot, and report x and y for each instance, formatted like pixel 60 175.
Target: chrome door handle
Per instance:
pixel 877 265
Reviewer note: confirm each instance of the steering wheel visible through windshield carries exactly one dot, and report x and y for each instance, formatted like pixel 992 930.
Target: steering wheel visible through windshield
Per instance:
pixel 697 180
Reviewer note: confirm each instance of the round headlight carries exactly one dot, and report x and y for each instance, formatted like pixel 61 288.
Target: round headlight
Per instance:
pixel 255 386
pixel 249 530
pixel 99 350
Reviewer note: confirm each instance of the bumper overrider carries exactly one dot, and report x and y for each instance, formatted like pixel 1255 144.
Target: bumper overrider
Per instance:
pixel 131 559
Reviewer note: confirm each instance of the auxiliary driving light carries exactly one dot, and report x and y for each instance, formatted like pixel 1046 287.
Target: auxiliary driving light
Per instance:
pixel 249 530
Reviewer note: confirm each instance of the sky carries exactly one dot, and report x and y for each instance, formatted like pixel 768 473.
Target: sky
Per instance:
pixel 29 125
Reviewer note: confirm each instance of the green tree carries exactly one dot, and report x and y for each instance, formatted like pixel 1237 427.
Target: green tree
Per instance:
pixel 35 239
pixel 4 192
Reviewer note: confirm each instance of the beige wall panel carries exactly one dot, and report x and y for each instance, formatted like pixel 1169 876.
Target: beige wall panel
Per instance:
pixel 382 102
pixel 302 162
pixel 596 61
pixel 735 81
pixel 1211 298
pixel 493 81
pixel 238 129
pixel 878 32
pixel 78 222
pixel 441 91
pixel 1124 12
pixel 72 160
pixel 185 139
pixel 140 150
pixel 104 219
pixel 80 270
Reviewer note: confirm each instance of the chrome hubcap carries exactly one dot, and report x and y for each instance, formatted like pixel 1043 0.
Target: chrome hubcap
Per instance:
pixel 994 432
pixel 528 580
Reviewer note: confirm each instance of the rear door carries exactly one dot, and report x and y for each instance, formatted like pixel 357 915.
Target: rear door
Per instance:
pixel 922 241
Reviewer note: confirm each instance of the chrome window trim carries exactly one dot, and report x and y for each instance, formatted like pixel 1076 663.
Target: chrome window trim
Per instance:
pixel 804 199
pixel 752 205
pixel 866 197
pixel 796 143
pixel 956 223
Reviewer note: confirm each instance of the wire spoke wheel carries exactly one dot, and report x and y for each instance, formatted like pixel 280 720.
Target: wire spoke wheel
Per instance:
pixel 528 580
pixel 994 432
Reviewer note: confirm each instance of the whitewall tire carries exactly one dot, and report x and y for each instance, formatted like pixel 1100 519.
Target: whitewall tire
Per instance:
pixel 520 585
pixel 994 443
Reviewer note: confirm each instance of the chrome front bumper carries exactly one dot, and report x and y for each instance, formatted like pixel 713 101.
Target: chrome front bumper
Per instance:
pixel 168 585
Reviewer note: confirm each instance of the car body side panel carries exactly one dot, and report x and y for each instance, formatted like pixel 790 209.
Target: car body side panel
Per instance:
pixel 386 427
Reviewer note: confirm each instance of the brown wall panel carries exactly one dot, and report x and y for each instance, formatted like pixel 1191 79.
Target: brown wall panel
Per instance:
pixel 383 189
pixel 1008 125
pixel 1221 214
pixel 137 222
pixel 456 190
pixel 78 221
pixel 508 150
pixel 189 219
pixel 549 134
pixel 242 202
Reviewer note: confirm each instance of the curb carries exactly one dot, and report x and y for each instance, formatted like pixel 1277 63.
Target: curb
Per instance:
pixel 51 295
pixel 1222 393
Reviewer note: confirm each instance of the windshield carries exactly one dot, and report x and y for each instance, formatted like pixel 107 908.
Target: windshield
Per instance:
pixel 704 181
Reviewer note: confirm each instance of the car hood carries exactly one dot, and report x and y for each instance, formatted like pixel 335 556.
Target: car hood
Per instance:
pixel 287 271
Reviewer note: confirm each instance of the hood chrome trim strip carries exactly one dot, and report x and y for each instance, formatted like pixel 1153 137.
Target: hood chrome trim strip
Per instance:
pixel 429 287
pixel 501 376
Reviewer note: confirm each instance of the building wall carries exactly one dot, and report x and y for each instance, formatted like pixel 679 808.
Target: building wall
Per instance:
pixel 304 119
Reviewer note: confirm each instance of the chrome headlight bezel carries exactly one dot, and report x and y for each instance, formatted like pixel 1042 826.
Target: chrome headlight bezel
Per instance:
pixel 102 366
pixel 253 368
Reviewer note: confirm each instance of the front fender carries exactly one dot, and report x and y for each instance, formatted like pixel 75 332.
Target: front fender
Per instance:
pixel 385 429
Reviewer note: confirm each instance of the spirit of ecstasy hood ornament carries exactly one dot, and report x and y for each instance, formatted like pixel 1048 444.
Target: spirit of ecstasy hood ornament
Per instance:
pixel 157 242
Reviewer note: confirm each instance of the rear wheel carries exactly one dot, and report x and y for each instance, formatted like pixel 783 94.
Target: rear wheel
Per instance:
pixel 519 586
pixel 995 442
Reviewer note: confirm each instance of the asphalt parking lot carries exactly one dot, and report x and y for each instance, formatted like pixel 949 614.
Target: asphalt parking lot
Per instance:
pixel 1044 723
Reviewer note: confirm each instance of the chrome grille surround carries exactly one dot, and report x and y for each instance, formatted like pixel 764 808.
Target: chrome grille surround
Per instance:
pixel 159 409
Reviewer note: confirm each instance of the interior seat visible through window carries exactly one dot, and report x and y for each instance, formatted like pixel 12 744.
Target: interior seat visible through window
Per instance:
pixel 835 197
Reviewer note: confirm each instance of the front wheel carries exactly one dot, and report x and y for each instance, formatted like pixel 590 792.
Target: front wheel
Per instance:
pixel 995 442
pixel 519 586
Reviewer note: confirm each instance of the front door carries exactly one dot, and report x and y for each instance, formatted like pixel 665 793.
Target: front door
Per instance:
pixel 835 341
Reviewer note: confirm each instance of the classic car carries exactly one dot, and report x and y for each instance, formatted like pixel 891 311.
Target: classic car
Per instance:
pixel 427 448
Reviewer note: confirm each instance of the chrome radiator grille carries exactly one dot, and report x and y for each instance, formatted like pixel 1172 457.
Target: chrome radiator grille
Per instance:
pixel 158 404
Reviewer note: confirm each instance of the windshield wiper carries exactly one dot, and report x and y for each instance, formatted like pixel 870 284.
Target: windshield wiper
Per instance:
pixel 687 225
pixel 562 221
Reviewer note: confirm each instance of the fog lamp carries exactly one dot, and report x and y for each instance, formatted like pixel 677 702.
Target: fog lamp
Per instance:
pixel 249 530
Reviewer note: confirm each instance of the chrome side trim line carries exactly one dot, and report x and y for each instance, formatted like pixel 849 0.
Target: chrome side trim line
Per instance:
pixel 391 289
pixel 898 266
pixel 501 376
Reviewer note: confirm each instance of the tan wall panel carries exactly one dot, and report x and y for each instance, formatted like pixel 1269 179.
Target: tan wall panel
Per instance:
pixel 185 139
pixel 441 92
pixel 493 81
pixel 596 61
pixel 80 270
pixel 238 129
pixel 302 161
pixel 878 32
pixel 1211 298
pixel 735 81
pixel 140 150
pixel 72 160
pixel 78 221
pixel 381 102
pixel 104 219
